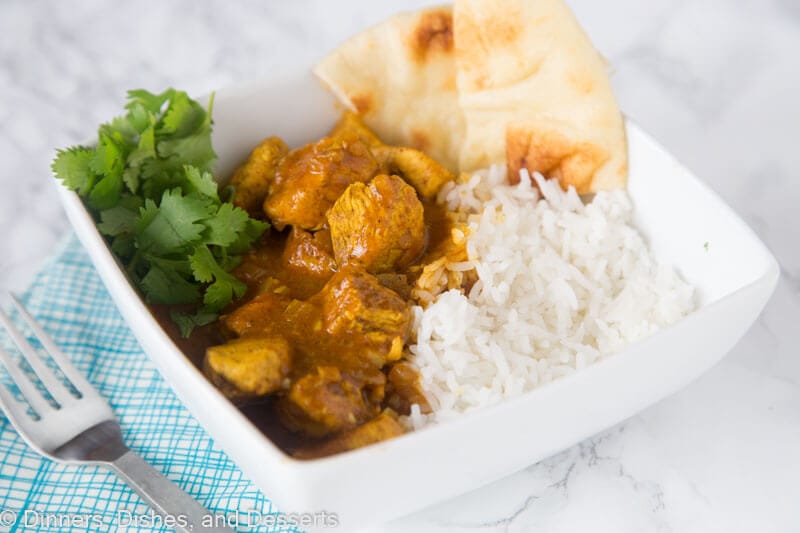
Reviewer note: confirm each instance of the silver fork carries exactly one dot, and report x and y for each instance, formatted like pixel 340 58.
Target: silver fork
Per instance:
pixel 83 429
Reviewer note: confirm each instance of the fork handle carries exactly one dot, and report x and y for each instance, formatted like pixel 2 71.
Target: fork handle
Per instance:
pixel 164 496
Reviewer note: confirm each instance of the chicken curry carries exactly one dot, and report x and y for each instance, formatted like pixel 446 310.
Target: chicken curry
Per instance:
pixel 320 339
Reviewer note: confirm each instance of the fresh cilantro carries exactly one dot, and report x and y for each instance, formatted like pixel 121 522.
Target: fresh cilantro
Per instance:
pixel 200 182
pixel 183 117
pixel 187 322
pixel 164 286
pixel 148 182
pixel 226 226
pixel 107 192
pixel 118 220
pixel 224 286
pixel 149 103
pixel 71 166
pixel 173 225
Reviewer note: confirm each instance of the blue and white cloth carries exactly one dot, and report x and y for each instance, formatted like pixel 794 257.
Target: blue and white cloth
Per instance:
pixel 71 303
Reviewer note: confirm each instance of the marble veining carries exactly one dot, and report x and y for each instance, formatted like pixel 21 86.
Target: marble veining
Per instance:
pixel 716 81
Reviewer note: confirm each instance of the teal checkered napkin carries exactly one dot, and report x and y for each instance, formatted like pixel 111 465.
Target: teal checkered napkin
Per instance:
pixel 71 303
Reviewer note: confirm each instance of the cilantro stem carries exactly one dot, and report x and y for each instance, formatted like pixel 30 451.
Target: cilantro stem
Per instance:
pixel 131 268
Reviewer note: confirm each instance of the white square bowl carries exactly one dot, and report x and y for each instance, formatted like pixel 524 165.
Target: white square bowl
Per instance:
pixel 686 224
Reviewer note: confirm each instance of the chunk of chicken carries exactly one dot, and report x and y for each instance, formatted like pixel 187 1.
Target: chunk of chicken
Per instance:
pixel 399 283
pixel 404 390
pixel 252 180
pixel 351 126
pixel 310 179
pixel 356 305
pixel 256 315
pixel 383 427
pixel 422 172
pixel 302 320
pixel 379 226
pixel 249 367
pixel 309 254
pixel 327 401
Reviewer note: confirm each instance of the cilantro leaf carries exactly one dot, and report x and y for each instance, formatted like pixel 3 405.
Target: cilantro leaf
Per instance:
pixel 107 156
pixel 204 266
pixel 118 220
pixel 138 117
pixel 251 232
pixel 183 116
pixel 226 225
pixel 224 286
pixel 186 133
pixel 124 245
pixel 194 150
pixel 145 148
pixel 200 182
pixel 157 175
pixel 150 102
pixel 174 223
pixel 106 192
pixel 130 177
pixel 71 166
pixel 223 291
pixel 121 130
pixel 162 286
pixel 187 322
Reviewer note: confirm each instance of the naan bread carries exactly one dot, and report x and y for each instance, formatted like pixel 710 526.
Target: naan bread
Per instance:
pixel 513 81
pixel 400 77
pixel 536 94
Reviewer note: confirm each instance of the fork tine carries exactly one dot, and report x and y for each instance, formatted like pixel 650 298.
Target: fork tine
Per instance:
pixel 48 378
pixel 15 411
pixel 26 387
pixel 73 375
pixel 17 414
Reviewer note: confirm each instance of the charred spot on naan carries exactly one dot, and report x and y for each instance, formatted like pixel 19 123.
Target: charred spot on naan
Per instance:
pixel 400 77
pixel 553 155
pixel 535 93
pixel 480 35
pixel 433 34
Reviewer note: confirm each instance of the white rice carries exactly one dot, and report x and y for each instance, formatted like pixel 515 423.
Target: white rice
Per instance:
pixel 561 285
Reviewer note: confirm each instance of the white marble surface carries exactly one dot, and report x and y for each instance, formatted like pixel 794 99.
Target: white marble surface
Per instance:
pixel 716 81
